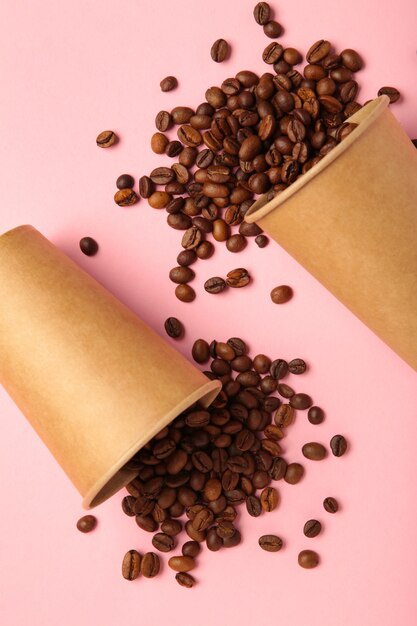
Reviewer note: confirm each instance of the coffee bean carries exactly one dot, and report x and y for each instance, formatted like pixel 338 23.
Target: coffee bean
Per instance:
pixel 285 390
pixel 391 92
pixel 171 527
pixel 163 542
pixel 236 243
pixel 308 559
pixel 315 415
pixel 278 369
pixel 272 53
pixel 125 181
pixel 261 241
pixel 297 366
pixel 351 59
pixel 162 175
pixel 253 506
pixel 338 445
pixel 205 250
pixel 301 401
pixel 314 451
pixel 186 257
pixel 213 541
pixel 125 197
pixel 219 50
pixel 312 528
pixel 168 83
pixel 269 499
pixel 273 29
pixel 131 565
pixel 88 246
pixel 185 293
pixel 127 505
pixel 181 274
pixel 146 186
pixel 318 51
pixel 330 505
pixel 215 285
pixel 200 351
pixel 150 565
pixel 281 294
pixel 294 473
pixel 106 139
pixel 159 142
pixel 262 13
pixel 189 136
pixel 179 221
pixel 87 523
pixel 238 278
pixel 270 543
pixel 185 580
pixel 191 548
pixel 278 468
pixel 173 148
pixel 191 238
pixel 181 563
pixel 174 327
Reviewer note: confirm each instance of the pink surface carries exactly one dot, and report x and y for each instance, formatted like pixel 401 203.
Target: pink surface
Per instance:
pixel 72 69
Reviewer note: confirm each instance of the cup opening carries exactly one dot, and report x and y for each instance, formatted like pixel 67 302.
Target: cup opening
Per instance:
pixel 364 118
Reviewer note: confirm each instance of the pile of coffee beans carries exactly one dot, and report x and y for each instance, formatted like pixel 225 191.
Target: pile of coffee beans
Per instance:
pixel 195 474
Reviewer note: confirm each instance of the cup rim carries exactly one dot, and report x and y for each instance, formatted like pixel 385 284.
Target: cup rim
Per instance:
pixel 365 117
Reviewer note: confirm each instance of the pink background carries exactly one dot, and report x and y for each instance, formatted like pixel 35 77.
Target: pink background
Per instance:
pixel 72 69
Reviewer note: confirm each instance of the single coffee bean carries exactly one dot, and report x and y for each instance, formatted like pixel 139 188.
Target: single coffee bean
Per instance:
pixel 219 50
pixel 294 473
pixel 205 250
pixel 285 390
pixel 189 136
pixel 249 230
pixel 87 523
pixel 181 274
pixel 191 548
pixel 146 522
pixel 261 241
pixel 308 559
pixel 351 59
pixel 213 541
pixel 173 148
pixel 125 197
pixel 106 139
pixel 269 499
pixel 174 327
pixel 314 451
pixel 185 580
pixel 391 92
pixel 261 363
pixel 272 53
pixel 262 13
pixel 215 285
pixel 301 401
pixel 125 181
pixel 131 565
pixel 179 221
pixel 278 369
pixel 159 142
pixel 181 563
pixel 238 278
pixel 273 29
pixel 330 505
pixel 185 293
pixel 162 175
pixel 88 246
pixel 128 504
pixel 297 366
pixel 236 243
pixel 312 528
pixel 278 468
pixel 338 445
pixel 146 187
pixel 150 565
pixel 171 527
pixel 253 506
pixel 270 543
pixel 234 540
pixel 238 345
pixel 163 542
pixel 186 257
pixel 200 351
pixel 191 238
pixel 281 294
pixel 315 415
pixel 168 83
pixel 318 51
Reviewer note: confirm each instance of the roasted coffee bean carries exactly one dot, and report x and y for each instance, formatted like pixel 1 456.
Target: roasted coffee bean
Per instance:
pixel 146 187
pixel 219 50
pixel 215 285
pixel 281 294
pixel 186 257
pixel 312 528
pixel 278 369
pixel 185 293
pixel 163 121
pixel 269 499
pixel 314 451
pixel 253 506
pixel 272 53
pixel 213 541
pixel 182 115
pixel 238 278
pixel 278 468
pixel 273 29
pixel 285 390
pixel 200 351
pixel 391 92
pixel 181 274
pixel 128 504
pixel 262 13
pixel 171 527
pixel 330 505
pixel 205 250
pixel 159 142
pixel 106 139
pixel 236 243
pixel 261 241
pixel 185 580
pixel 88 246
pixel 249 230
pixel 131 565
pixel 338 445
pixel 191 548
pixel 191 238
pixel 297 366
pixel 351 59
pixel 174 327
pixel 168 83
pixel 294 473
pixel 292 56
pixel 125 181
pixel 181 563
pixel 189 136
pixel 87 523
pixel 315 415
pixel 159 200
pixel 150 565
pixel 273 432
pixel 301 401
pixel 125 197
pixel 270 543
pixel 173 148
pixel 163 542
pixel 308 559
pixel 318 51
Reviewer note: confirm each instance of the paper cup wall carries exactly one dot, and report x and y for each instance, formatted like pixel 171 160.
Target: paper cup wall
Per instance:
pixel 352 222
pixel 95 382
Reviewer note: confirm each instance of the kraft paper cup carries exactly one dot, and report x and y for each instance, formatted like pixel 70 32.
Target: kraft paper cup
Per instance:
pixel 351 221
pixel 94 381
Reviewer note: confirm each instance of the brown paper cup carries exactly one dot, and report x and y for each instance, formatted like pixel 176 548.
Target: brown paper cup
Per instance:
pixel 95 382
pixel 352 222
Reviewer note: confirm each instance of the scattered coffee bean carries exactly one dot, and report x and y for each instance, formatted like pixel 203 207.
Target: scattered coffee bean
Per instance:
pixel 181 274
pixel 159 142
pixel 215 285
pixel 125 197
pixel 269 499
pixel 106 139
pixel 168 83
pixel 330 505
pixel 261 241
pixel 174 327
pixel 297 366
pixel 312 528
pixel 238 278
pixel 87 523
pixel 273 29
pixel 308 559
pixel 163 122
pixel 219 50
pixel 281 294
pixel 131 565
pixel 150 565
pixel 338 445
pixel 163 542
pixel 125 181
pixel 314 451
pixel 270 543
pixel 146 187
pixel 181 563
pixel 88 246
pixel 392 93
pixel 294 473
pixel 262 13
pixel 191 548
pixel 301 401
pixel 185 580
pixel 128 504
pixel 185 293
pixel 315 415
